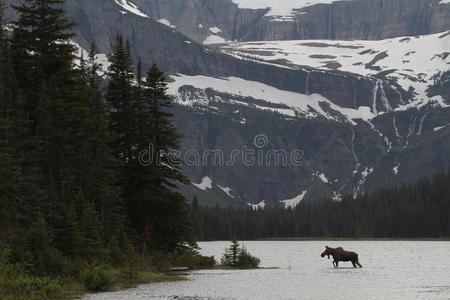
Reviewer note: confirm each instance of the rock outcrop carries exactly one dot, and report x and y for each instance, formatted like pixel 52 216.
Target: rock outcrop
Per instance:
pixel 356 19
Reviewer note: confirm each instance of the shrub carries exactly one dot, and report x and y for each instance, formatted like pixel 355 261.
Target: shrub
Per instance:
pixel 73 268
pixel 192 259
pixel 235 256
pixel 246 260
pixel 98 279
pixel 16 284
pixel 200 261
pixel 160 262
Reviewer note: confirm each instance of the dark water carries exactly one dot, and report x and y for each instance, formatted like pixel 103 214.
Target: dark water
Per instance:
pixel 391 270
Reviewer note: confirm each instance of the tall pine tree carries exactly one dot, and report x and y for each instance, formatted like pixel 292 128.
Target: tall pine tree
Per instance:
pixel 107 198
pixel 169 219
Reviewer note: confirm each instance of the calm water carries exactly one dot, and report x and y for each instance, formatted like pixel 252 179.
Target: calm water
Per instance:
pixel 391 270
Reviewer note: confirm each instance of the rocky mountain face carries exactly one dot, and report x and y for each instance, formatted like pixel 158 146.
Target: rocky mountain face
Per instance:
pixel 356 19
pixel 196 18
pixel 338 158
pixel 360 19
pixel 356 131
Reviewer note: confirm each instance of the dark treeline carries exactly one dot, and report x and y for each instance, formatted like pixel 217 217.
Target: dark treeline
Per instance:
pixel 410 211
pixel 73 187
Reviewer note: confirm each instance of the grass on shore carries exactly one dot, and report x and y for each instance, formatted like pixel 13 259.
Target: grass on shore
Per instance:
pixel 120 282
pixel 142 277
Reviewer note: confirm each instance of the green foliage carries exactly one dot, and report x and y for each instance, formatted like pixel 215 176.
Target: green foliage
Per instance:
pixel 246 260
pixel 231 255
pixel 9 184
pixel 98 279
pixel 200 261
pixel 81 231
pixel 119 247
pixel 73 268
pixel 16 284
pixel 160 262
pixel 192 259
pixel 36 251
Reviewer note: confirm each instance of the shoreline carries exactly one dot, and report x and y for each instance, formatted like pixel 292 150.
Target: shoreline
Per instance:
pixel 121 284
pixel 443 239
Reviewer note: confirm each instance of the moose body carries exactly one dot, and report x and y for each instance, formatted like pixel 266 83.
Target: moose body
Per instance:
pixel 339 254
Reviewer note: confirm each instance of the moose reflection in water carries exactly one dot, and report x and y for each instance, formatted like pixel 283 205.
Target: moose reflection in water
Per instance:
pixel 339 254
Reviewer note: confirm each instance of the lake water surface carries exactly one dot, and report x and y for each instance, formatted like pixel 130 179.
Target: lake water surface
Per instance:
pixel 391 270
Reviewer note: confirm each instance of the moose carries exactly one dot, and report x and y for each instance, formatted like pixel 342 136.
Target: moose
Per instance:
pixel 339 254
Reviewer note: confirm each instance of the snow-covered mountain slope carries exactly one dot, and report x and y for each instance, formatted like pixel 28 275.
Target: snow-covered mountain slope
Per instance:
pixel 292 103
pixel 411 61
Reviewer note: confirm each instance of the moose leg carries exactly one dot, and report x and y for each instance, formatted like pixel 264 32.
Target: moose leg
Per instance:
pixel 357 262
pixel 354 263
pixel 336 263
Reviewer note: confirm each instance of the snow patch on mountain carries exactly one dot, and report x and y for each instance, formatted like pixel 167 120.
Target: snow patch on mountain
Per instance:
pixel 395 169
pixel 309 106
pixel 282 10
pixel 205 184
pixel 440 127
pixel 130 7
pixel 214 39
pixel 292 203
pixel 435 102
pixel 336 197
pixel 226 190
pixel 257 206
pixel 321 177
pixel 166 22
pixel 215 30
pixel 364 174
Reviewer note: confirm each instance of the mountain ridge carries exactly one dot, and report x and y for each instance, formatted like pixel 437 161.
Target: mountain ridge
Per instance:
pixel 344 154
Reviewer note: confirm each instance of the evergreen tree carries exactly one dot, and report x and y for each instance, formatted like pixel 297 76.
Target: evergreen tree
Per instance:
pixel 92 245
pixel 7 85
pixel 168 214
pixel 36 251
pixel 142 124
pixel 40 50
pixel 10 183
pixel 107 200
pixel 120 97
pixel 231 255
pixel 46 102
pixel 71 241
pixel 81 232
pixel 10 192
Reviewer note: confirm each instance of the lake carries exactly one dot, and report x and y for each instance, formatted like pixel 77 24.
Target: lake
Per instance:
pixel 391 270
